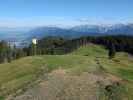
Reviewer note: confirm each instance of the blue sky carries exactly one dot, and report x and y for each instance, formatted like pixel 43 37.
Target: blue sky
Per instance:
pixel 64 12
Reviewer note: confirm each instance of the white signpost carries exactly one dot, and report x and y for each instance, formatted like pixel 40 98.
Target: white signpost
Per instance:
pixel 34 42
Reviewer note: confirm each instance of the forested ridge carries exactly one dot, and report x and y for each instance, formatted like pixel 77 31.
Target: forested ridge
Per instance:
pixel 58 46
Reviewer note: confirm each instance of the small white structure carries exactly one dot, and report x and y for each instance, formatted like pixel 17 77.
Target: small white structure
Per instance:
pixel 34 41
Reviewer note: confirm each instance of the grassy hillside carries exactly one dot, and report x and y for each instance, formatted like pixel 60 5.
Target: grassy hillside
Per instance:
pixel 19 73
pixel 91 50
pixel 16 75
pixel 121 65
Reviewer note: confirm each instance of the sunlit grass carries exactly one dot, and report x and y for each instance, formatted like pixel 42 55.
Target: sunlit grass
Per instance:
pixel 19 73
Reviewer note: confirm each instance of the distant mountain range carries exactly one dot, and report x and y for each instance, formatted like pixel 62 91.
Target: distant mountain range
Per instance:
pixel 26 34
pixel 82 30
pixel 106 30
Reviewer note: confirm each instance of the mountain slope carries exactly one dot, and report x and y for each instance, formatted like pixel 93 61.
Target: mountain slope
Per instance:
pixel 52 31
pixel 82 30
pixel 125 29
pixel 87 59
pixel 21 36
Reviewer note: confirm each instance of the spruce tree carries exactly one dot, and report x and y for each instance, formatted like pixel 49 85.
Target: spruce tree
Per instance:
pixel 112 51
pixel 9 54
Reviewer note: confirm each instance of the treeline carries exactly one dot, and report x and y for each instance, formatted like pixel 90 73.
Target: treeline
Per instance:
pixel 9 53
pixel 59 46
pixel 120 42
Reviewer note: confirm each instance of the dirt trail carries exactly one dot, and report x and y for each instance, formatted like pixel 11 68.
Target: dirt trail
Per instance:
pixel 62 86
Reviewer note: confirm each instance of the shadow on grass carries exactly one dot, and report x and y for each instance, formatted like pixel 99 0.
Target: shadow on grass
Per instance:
pixel 113 91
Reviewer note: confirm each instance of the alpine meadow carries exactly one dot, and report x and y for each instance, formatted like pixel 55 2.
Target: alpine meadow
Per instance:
pixel 66 50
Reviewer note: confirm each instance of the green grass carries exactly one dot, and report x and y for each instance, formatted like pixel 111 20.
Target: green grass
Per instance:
pixel 121 65
pixel 91 50
pixel 19 73
pixel 1 98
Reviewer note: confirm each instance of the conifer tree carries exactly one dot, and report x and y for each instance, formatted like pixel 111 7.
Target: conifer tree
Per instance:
pixel 112 51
